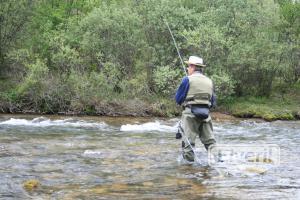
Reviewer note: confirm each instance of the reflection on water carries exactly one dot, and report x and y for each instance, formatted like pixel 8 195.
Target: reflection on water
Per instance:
pixel 132 158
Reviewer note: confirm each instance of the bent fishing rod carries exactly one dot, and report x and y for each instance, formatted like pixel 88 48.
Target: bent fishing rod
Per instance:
pixel 196 157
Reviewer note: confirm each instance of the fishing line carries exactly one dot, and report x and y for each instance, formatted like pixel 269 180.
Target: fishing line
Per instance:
pixel 182 64
pixel 176 47
pixel 194 151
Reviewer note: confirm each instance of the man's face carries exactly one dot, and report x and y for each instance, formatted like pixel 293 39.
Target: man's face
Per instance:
pixel 191 69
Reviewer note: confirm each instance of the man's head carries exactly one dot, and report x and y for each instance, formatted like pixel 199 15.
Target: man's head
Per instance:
pixel 193 68
pixel 195 64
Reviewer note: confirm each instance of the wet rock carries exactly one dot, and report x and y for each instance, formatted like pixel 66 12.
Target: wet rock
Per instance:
pixel 148 184
pixel 113 188
pixel 297 115
pixel 255 170
pixel 30 185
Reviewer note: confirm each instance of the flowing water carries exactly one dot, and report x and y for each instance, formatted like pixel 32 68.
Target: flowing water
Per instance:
pixel 133 158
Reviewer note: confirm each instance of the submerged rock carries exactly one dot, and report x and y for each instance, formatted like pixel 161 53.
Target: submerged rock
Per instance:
pixel 31 184
pixel 256 170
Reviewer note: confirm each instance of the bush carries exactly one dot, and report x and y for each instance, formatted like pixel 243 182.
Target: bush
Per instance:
pixel 136 87
pixel 166 80
pixel 18 60
pixel 62 57
pixel 224 86
pixel 112 32
pixel 33 83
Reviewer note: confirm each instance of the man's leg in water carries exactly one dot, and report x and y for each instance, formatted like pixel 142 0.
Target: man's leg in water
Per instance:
pixel 206 134
pixel 189 125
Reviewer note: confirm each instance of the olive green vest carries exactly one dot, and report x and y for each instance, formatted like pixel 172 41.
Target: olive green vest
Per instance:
pixel 200 90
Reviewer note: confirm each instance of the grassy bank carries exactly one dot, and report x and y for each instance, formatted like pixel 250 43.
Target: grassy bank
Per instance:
pixel 269 109
pixel 99 101
pixel 135 107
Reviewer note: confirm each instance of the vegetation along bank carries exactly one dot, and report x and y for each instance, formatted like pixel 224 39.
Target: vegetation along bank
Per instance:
pixel 116 57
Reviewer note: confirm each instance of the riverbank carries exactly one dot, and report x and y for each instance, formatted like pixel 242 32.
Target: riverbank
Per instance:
pixel 258 108
pixel 275 107
pixel 113 108
pixel 269 109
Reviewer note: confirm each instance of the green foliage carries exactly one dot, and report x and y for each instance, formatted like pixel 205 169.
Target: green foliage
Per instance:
pixel 224 86
pixel 165 107
pixel 9 96
pixel 254 66
pixel 166 80
pixel 13 18
pixel 154 15
pixel 33 82
pixel 83 55
pixel 269 109
pixel 17 60
pixel 290 13
pixel 289 35
pixel 112 32
pixel 63 57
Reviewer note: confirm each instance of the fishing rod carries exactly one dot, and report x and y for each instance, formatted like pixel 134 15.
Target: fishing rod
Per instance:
pixel 182 64
pixel 176 46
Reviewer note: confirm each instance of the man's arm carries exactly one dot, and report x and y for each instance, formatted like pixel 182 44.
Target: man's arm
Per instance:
pixel 213 100
pixel 182 91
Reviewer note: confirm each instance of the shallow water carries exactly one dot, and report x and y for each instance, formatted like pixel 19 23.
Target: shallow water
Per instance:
pixel 137 158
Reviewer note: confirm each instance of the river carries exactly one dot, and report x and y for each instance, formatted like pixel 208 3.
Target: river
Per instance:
pixel 138 158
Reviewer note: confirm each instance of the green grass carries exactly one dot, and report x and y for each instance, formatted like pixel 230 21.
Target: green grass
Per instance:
pixel 279 106
pixel 270 109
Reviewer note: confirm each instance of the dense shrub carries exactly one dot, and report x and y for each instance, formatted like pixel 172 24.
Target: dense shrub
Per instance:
pixel 166 80
pixel 33 84
pixel 224 86
pixel 64 55
pixel 111 34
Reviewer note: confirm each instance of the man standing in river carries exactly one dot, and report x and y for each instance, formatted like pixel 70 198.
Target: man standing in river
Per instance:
pixel 195 94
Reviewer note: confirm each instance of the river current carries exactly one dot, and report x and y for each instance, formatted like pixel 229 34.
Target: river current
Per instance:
pixel 139 158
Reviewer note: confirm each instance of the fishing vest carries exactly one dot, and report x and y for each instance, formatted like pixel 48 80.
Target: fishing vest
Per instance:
pixel 200 90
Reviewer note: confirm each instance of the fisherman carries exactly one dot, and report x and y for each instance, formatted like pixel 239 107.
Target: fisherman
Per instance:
pixel 196 95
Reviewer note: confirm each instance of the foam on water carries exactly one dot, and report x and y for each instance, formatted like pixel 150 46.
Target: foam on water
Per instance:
pixel 148 127
pixel 45 122
pixel 92 153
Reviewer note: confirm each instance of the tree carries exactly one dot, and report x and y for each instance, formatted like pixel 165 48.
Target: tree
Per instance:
pixel 289 36
pixel 13 19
